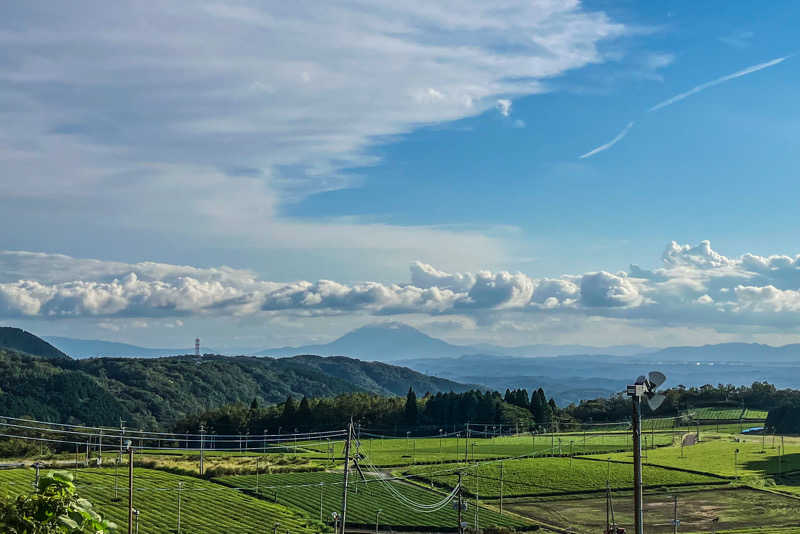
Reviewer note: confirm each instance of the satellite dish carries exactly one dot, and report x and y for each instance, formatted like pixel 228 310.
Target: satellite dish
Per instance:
pixel 656 378
pixel 653 381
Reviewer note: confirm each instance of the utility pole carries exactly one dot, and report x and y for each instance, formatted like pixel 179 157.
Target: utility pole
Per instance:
pixel 675 521
pixel 257 492
pixel 130 487
pixel 346 473
pixel 501 488
pixel 121 433
pixel 637 465
pixel 116 469
pixel 477 497
pixel 321 494
pixel 180 491
pixel 377 516
pixel 202 444
pixel 460 505
pixel 37 466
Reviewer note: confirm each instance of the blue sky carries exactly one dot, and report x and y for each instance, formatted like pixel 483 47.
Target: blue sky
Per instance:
pixel 252 150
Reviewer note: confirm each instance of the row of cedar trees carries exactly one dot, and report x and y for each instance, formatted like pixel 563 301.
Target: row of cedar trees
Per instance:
pixel 442 410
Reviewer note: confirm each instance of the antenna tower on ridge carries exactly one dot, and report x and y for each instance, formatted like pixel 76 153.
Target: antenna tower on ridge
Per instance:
pixel 197 346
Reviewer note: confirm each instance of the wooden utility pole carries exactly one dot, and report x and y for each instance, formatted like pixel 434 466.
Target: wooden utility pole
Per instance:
pixel 346 473
pixel 130 488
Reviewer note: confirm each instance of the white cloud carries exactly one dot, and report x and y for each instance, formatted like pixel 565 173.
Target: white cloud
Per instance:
pixel 608 290
pixel 504 107
pixel 199 121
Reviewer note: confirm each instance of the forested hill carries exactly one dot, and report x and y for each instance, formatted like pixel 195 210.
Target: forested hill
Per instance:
pixel 22 341
pixel 377 377
pixel 155 392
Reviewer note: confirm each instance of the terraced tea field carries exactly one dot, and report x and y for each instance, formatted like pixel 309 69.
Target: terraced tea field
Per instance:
pixel 757 457
pixel 402 451
pixel 738 510
pixel 206 507
pixel 554 476
pixel 321 493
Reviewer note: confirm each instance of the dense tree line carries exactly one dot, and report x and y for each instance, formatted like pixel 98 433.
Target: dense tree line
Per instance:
pixel 758 395
pixel 392 414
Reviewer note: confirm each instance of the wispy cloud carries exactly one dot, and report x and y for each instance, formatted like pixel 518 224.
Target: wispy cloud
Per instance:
pixel 712 83
pixel 611 143
pixel 690 92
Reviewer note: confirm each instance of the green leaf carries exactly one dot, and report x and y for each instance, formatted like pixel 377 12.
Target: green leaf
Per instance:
pixel 68 522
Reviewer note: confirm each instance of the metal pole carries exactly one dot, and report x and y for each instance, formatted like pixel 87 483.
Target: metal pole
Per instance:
pixel 257 492
pixel 180 491
pixel 377 515
pixel 346 474
pixel 675 514
pixel 460 505
pixel 116 469
pixel 202 444
pixel 637 466
pixel 477 497
pixel 501 488
pixel 321 493
pixel 130 488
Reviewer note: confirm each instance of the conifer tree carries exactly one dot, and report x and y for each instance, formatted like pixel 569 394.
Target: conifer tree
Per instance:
pixel 411 407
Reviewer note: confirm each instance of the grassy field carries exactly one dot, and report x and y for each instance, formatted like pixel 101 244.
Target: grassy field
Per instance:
pixel 364 500
pixel 755 414
pixel 206 507
pixel 757 457
pixel 749 510
pixel 398 452
pixel 548 476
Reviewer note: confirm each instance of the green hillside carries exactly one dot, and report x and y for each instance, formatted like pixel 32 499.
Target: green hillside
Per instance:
pixel 375 377
pixel 22 341
pixel 154 393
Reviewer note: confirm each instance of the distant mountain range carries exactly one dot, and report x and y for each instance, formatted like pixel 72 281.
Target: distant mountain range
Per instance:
pixel 567 372
pixel 93 348
pixel 392 342
pixel 384 342
pixel 398 341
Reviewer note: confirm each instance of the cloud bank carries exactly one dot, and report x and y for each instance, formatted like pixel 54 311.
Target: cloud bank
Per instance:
pixel 695 285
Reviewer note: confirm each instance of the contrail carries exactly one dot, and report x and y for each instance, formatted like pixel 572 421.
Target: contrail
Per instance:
pixel 611 143
pixel 718 81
